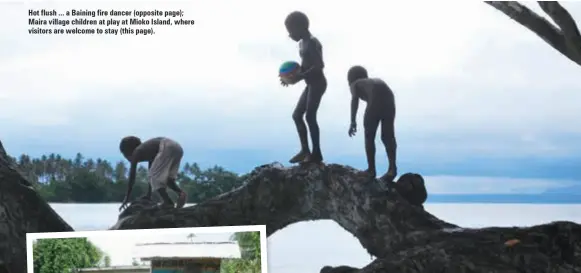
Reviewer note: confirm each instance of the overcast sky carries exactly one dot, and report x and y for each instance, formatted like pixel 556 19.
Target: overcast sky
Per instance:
pixel 476 93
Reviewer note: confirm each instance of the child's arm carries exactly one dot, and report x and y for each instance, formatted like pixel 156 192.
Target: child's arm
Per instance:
pixel 132 174
pixel 354 107
pixel 354 103
pixel 137 157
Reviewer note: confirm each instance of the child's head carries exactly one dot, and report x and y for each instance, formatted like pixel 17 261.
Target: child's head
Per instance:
pixel 297 25
pixel 128 145
pixel 356 72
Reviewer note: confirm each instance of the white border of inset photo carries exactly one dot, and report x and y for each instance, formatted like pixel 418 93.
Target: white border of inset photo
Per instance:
pixel 31 237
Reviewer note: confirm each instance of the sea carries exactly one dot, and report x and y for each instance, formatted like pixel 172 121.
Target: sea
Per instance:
pixel 308 246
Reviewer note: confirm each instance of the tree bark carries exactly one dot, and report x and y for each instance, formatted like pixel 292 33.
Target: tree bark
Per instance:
pixel 278 196
pixel 22 211
pixel 564 37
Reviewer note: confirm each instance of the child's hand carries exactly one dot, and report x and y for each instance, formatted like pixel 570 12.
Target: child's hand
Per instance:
pixel 295 78
pixel 352 130
pixel 291 79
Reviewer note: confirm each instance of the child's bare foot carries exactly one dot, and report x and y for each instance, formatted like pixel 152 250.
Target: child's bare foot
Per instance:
pixel 299 157
pixel 313 158
pixel 370 172
pixel 390 175
pixel 182 199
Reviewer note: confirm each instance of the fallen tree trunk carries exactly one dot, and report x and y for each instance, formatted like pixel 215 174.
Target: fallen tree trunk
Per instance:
pixel 22 211
pixel 388 220
pixel 278 196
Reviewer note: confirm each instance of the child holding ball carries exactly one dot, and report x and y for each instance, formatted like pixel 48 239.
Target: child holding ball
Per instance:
pixel 311 71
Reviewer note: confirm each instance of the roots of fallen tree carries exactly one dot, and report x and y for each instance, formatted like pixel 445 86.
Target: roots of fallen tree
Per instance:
pixel 387 218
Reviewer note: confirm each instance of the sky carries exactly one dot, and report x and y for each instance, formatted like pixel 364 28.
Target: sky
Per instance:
pixel 477 94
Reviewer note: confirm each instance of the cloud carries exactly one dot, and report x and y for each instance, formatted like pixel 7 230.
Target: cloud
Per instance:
pixel 467 79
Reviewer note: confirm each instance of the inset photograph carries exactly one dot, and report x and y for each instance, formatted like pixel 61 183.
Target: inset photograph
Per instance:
pixel 240 249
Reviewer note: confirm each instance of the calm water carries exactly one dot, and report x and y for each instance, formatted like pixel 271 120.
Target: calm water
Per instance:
pixel 292 249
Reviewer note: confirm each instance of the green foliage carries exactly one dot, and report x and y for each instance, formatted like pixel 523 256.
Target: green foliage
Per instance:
pixel 240 266
pixel 64 254
pixel 249 243
pixel 96 181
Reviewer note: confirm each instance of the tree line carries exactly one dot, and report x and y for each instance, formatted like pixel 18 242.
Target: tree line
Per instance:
pixel 87 180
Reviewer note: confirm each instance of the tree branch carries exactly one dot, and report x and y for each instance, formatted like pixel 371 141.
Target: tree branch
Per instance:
pixel 566 40
pixel 554 247
pixel 566 23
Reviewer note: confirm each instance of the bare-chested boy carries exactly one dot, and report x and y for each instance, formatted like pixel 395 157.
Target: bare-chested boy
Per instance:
pixel 380 110
pixel 311 53
pixel 164 156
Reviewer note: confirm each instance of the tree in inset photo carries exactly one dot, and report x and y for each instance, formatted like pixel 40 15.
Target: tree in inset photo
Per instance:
pixel 58 255
pixel 249 243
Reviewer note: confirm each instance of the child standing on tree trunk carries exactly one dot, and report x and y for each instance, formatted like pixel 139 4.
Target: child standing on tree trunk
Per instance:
pixel 380 112
pixel 311 52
